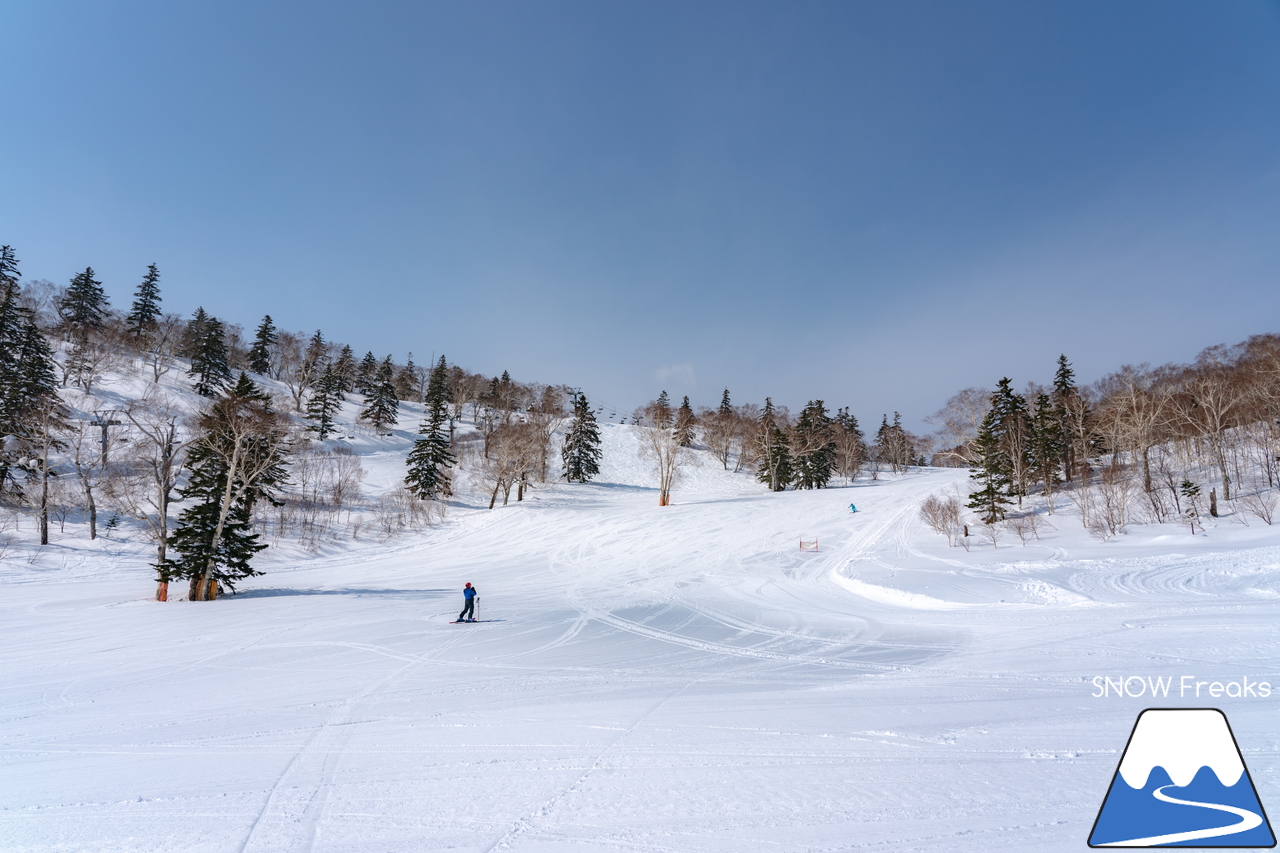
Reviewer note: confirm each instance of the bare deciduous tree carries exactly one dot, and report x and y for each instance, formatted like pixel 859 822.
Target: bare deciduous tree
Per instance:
pixel 943 515
pixel 148 474
pixel 1261 503
pixel 660 443
pixel 958 422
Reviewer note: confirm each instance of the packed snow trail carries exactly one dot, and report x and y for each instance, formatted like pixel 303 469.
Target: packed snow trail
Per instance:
pixel 663 679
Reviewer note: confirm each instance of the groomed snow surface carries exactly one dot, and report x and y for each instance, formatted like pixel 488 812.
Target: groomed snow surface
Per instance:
pixel 647 679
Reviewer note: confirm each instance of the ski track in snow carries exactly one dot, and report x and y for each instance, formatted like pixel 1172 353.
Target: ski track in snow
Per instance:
pixel 661 679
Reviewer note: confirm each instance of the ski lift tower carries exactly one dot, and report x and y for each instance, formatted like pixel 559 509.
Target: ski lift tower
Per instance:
pixel 105 420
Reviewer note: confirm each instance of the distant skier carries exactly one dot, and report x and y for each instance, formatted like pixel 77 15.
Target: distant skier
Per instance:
pixel 468 613
pixel 852 508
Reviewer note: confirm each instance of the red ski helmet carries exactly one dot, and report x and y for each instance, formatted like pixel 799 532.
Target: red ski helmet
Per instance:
pixel 468 584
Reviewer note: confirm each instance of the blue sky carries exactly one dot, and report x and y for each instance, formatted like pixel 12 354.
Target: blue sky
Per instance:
pixel 873 203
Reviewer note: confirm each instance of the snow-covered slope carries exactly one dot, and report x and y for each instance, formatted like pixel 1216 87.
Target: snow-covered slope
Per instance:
pixel 648 679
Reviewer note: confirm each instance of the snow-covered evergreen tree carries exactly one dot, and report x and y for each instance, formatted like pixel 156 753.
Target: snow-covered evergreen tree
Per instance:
pixel 893 445
pixel 145 311
pixel 264 341
pixel 685 422
pixel 238 460
pixel 380 400
pixel 366 373
pixel 431 458
pixel 774 468
pixel 813 447
pixel 209 364
pixel 1046 444
pixel 9 274
pixel 581 452
pixel 325 401
pixel 990 471
pixel 1015 436
pixel 851 452
pixel 344 368
pixel 1080 437
pixel 406 381
pixel 193 333
pixel 31 412
pixel 314 359
pixel 84 305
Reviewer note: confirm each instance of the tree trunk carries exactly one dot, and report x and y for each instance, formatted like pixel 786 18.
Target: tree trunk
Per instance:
pixel 44 502
pixel 229 496
pixel 1213 502
pixel 162 591
pixel 93 514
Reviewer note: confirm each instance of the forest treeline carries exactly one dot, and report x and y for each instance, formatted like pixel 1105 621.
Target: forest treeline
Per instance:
pixel 249 457
pixel 806 451
pixel 1136 446
pixel 247 465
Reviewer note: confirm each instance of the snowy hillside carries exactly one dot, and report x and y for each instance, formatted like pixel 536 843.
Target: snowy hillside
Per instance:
pixel 647 679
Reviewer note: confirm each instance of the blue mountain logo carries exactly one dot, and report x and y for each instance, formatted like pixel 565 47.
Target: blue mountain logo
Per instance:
pixel 1182 783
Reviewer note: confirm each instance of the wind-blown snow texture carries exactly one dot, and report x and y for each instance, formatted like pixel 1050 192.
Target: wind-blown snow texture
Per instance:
pixel 655 679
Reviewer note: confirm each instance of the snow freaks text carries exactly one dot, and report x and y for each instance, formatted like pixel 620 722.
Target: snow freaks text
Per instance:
pixel 1184 687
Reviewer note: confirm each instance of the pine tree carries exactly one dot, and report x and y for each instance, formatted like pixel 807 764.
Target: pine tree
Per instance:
pixel 193 333
pixel 42 415
pixel 813 450
pixel 238 460
pixel 406 381
pixel 1014 426
pixel 317 353
pixel 852 449
pixel 145 312
pixel 380 401
pixel 209 360
pixel 264 341
pixel 720 431
pixel 308 373
pixel 345 370
pixel 990 470
pixel 9 274
pixel 437 385
pixel 324 403
pixel 1046 444
pixel 431 458
pixel 893 445
pixel 31 413
pixel 367 373
pixel 1080 437
pixel 685 422
pixel 84 306
pixel 662 409
pixel 774 469
pixel 581 453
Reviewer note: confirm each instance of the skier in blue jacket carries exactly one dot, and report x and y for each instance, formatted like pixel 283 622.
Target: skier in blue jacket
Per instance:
pixel 468 613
